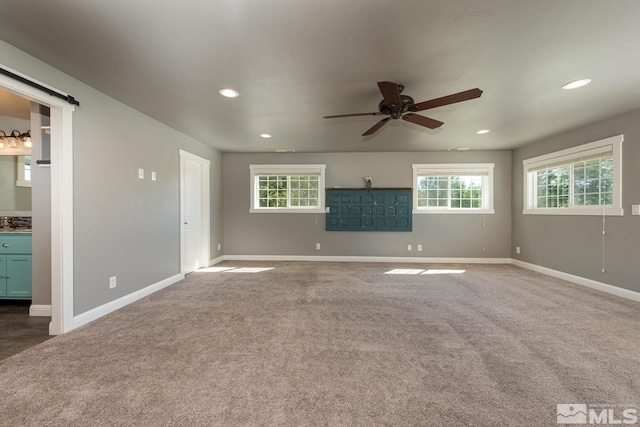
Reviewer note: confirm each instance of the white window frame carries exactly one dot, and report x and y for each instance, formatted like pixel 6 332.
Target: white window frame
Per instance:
pixel 485 170
pixel 256 170
pixel 21 175
pixel 568 156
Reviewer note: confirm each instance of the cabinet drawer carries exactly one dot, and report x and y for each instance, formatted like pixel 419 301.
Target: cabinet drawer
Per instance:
pixel 15 244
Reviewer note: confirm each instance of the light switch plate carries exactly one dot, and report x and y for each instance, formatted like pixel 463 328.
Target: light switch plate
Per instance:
pixel 635 209
pixel 141 173
pixel 153 176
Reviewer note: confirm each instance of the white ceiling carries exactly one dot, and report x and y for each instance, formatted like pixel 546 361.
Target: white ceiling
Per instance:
pixel 294 61
pixel 12 105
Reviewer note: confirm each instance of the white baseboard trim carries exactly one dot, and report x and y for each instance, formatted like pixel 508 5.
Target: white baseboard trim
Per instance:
pixel 366 259
pixel 216 260
pixel 40 310
pixel 93 314
pixel 593 284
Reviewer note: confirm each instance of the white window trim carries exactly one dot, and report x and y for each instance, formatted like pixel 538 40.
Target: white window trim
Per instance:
pixel 571 155
pixel 287 170
pixel 20 172
pixel 451 169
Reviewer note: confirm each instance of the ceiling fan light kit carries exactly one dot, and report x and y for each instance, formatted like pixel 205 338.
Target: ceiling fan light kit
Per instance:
pixel 396 106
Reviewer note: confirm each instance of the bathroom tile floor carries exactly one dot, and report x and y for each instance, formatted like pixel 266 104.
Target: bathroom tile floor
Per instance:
pixel 18 330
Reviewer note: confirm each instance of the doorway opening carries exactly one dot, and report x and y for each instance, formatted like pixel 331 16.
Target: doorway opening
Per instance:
pixel 61 159
pixel 194 212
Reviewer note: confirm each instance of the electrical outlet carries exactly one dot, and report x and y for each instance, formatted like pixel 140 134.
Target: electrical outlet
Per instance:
pixel 419 248
pixel 517 249
pixel 112 282
pixel 141 173
pixel 317 245
pixel 408 247
pixel 153 176
pixel 635 209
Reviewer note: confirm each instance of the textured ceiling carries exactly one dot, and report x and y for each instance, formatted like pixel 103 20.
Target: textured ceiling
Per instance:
pixel 294 61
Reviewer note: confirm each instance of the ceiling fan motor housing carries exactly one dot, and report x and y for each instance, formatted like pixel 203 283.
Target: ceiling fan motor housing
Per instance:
pixel 395 111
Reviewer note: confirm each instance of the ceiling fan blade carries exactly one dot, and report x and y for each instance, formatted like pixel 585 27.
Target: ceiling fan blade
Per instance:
pixel 390 93
pixel 446 100
pixel 377 126
pixel 353 115
pixel 422 121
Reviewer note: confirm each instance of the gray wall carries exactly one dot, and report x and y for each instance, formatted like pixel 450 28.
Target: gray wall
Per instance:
pixel 12 198
pixel 296 234
pixel 573 244
pixel 123 226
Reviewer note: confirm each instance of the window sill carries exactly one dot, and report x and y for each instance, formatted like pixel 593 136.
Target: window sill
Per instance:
pixel 287 210
pixel 580 212
pixel 453 211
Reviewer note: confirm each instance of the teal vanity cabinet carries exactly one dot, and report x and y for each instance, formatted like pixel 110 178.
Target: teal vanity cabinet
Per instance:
pixel 15 266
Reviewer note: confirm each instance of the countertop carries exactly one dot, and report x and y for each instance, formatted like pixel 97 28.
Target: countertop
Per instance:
pixel 9 230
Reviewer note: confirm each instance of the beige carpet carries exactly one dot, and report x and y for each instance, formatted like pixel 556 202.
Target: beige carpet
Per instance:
pixel 336 344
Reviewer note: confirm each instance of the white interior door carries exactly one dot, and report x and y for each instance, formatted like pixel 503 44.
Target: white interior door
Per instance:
pixel 194 178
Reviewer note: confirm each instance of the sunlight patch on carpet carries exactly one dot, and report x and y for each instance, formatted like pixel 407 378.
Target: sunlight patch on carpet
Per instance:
pixel 214 269
pixel 404 271
pixel 249 270
pixel 431 271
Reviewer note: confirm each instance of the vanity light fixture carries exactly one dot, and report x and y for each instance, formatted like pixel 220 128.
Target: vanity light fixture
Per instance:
pixel 229 93
pixel 576 84
pixel 14 140
pixel 26 137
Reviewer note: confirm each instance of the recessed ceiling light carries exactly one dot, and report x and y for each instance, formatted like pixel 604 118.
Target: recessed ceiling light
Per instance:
pixel 229 93
pixel 576 84
pixel 483 131
pixel 265 135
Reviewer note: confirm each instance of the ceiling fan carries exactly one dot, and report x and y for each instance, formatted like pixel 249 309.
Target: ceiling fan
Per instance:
pixel 398 106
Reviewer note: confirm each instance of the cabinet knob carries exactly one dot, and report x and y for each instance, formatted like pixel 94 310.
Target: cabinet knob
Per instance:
pixel 5 245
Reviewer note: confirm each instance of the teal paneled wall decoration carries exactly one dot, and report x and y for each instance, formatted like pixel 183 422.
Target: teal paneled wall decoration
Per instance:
pixel 369 209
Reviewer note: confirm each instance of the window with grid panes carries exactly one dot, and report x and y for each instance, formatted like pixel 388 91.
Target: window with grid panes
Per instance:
pixel 583 180
pixel 287 188
pixel 453 188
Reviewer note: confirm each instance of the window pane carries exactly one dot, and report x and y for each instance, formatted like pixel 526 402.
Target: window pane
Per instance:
pixel 542 191
pixel 542 202
pixel 454 191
